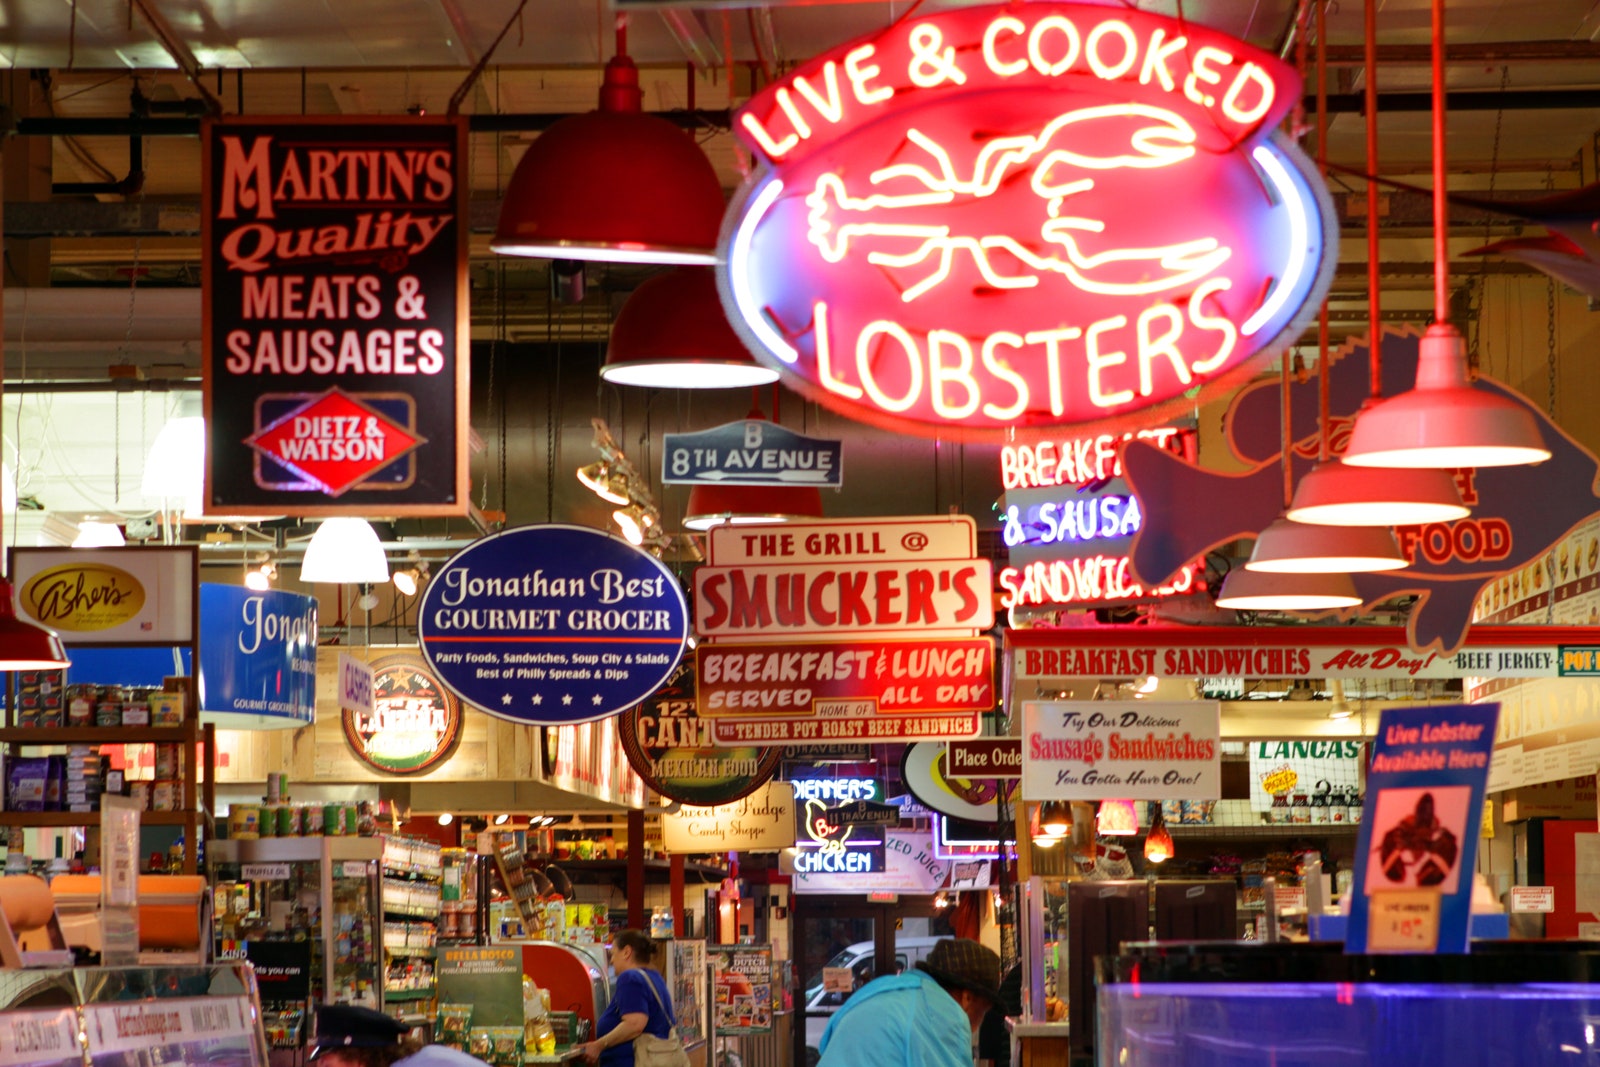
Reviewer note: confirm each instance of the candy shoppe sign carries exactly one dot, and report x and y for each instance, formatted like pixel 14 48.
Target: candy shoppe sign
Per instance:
pixel 674 751
pixel 336 315
pixel 1045 214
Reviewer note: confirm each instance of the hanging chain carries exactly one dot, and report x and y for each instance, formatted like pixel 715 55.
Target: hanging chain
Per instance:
pixel 1550 342
pixel 1488 231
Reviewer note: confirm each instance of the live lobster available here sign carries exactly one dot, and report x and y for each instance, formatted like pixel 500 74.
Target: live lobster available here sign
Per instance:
pixel 1093 749
pixel 336 315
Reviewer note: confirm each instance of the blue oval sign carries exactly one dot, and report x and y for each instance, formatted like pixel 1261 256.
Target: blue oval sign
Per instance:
pixel 553 624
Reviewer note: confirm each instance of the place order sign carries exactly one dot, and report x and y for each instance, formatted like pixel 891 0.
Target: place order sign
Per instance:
pixel 804 627
pixel 1134 229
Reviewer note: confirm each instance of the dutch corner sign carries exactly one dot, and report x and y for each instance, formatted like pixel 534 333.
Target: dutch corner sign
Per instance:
pixel 752 452
pixel 1092 749
pixel 1043 214
pixel 414 723
pixel 553 624
pixel 336 315
pixel 671 747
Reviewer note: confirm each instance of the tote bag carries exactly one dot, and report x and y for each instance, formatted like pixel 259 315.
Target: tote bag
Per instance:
pixel 652 1051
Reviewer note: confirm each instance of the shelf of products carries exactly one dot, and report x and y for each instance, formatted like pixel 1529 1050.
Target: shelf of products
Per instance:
pixel 1265 831
pixel 70 783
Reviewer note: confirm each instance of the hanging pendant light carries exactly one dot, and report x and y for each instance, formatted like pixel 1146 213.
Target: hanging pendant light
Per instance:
pixel 1445 421
pixel 614 184
pixel 26 646
pixel 1055 818
pixel 1288 547
pixel 741 505
pixel 1337 494
pixel 672 333
pixel 1117 818
pixel 606 482
pixel 344 551
pixel 1246 590
pixel 1158 847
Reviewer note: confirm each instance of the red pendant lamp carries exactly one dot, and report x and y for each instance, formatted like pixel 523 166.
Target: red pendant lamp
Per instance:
pixel 673 334
pixel 1445 421
pixel 613 184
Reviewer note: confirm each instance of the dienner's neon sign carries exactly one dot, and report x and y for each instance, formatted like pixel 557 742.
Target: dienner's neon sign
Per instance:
pixel 1037 214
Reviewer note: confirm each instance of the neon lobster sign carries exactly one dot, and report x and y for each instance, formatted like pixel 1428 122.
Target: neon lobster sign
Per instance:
pixel 1038 214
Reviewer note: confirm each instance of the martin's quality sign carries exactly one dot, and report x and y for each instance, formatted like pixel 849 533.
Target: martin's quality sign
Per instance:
pixel 1036 214
pixel 1090 750
pixel 336 315
pixel 553 624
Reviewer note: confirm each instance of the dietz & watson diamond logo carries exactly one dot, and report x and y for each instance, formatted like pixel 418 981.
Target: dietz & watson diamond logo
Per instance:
pixel 333 442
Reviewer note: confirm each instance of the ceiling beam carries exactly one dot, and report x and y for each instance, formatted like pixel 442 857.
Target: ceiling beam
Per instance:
pixel 1350 55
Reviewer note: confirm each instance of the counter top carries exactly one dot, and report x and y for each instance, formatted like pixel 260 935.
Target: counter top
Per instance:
pixel 574 1052
pixel 1022 1029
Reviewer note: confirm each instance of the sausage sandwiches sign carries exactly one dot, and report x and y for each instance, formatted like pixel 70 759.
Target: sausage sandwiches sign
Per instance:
pixel 1036 214
pixel 336 316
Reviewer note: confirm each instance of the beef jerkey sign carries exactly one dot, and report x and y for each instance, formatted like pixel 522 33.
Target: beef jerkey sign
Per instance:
pixel 336 318
pixel 1034 214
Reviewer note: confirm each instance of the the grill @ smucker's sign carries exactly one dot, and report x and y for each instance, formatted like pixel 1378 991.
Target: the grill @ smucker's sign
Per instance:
pixel 1034 214
pixel 553 624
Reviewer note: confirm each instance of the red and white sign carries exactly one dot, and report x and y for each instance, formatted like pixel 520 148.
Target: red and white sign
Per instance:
pixel 989 757
pixel 1042 214
pixel 1091 749
pixel 1533 898
pixel 840 598
pixel 909 538
pixel 1283 652
pixel 928 726
pixel 845 677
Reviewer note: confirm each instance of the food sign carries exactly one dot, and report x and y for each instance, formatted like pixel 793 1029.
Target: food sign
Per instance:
pixel 336 315
pixel 1041 214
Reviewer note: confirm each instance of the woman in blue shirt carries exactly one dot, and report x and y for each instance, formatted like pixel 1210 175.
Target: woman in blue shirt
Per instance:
pixel 640 1003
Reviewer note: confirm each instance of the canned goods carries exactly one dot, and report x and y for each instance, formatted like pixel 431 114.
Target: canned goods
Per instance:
pixel 136 709
pixel 166 709
pixel 367 819
pixel 332 820
pixel 311 820
pixel 450 924
pixel 108 713
pixel 352 819
pixel 164 796
pixel 269 820
pixel 288 820
pixel 274 787
pixel 244 822
pixel 167 761
pixel 467 923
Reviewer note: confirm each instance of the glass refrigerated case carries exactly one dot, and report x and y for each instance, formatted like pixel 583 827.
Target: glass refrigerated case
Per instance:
pixel 322 890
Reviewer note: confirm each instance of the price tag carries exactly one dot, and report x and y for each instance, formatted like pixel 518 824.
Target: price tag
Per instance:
pixel 1403 920
pixel 1525 898
pixel 1280 781
pixel 353 869
pixel 264 872
pixel 1291 898
pixel 837 980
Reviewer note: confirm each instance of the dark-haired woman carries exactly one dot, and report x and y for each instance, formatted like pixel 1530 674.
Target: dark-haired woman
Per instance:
pixel 640 1003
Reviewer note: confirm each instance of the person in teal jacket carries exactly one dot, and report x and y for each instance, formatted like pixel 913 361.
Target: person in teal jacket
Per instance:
pixel 922 1018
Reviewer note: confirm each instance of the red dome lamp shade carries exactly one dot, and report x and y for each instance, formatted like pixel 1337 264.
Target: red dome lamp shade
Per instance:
pixel 672 333
pixel 613 184
pixel 713 505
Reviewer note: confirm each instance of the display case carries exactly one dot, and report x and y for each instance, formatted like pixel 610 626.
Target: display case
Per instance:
pixel 413 872
pixel 189 1016
pixel 321 890
pixel 1250 1005
pixel 683 964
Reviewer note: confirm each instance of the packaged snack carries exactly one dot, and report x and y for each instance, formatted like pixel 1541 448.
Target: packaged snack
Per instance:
pixel 507 1046
pixel 455 1020
pixel 480 1043
pixel 25 783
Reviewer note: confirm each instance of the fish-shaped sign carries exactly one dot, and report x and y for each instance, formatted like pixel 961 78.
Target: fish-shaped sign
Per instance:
pixel 1518 513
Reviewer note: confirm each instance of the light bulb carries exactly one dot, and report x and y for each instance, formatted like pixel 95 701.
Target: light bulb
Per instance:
pixel 446 819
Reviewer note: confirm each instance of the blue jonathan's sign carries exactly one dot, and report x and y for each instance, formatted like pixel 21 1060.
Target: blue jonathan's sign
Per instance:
pixel 258 657
pixel 553 624
pixel 752 452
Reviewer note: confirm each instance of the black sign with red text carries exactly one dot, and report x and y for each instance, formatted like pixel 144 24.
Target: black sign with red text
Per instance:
pixel 336 316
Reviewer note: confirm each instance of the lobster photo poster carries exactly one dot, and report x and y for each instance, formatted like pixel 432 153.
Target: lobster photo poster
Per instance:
pixel 1412 890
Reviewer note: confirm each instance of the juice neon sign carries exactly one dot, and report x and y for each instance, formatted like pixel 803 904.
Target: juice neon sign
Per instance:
pixel 1038 214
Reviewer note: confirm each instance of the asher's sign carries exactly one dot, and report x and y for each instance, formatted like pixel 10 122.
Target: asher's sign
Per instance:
pixel 336 319
pixel 1045 214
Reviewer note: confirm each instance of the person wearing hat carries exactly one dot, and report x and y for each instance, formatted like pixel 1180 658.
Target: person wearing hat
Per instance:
pixel 921 1018
pixel 352 1036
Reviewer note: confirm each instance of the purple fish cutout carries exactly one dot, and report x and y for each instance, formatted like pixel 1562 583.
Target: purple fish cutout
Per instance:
pixel 1518 513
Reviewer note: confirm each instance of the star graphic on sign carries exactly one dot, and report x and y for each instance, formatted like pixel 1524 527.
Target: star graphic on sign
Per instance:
pixel 538 698
pixel 506 699
pixel 566 698
pixel 597 699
